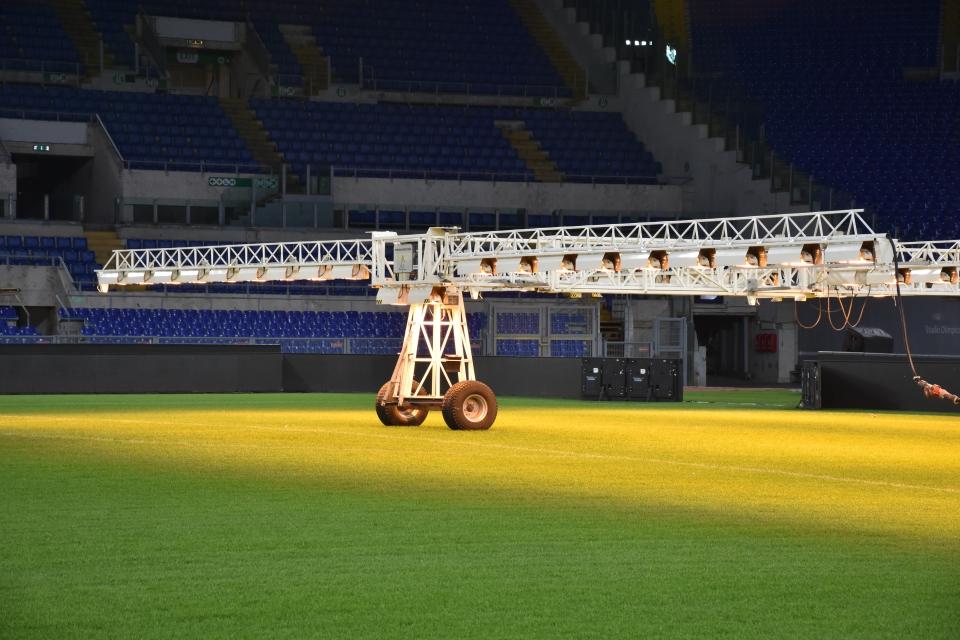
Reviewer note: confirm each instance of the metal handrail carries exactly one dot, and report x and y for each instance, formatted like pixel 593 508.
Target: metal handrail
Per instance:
pixel 203 166
pixel 42 66
pixel 113 144
pixel 434 86
pixel 45 114
pixel 491 176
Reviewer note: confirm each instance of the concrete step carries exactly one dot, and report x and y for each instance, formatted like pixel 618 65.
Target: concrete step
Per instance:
pixel 528 149
pixel 103 244
pixel 551 44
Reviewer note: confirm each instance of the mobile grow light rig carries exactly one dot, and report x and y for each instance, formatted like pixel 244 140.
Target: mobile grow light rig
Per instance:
pixel 794 256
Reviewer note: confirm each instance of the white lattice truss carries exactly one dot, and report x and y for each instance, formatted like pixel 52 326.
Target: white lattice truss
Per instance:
pixel 804 255
pixel 798 256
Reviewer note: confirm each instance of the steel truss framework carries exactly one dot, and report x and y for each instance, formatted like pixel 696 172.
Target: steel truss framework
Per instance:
pixel 799 256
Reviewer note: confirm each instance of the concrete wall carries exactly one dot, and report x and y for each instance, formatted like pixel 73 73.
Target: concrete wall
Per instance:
pixel 106 185
pixel 35 286
pixel 774 318
pixel 8 180
pixel 507 195
pixel 173 185
pixel 718 185
pixel 47 131
pixel 40 228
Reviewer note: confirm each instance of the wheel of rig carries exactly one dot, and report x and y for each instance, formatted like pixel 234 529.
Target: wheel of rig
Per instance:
pixel 469 405
pixel 405 415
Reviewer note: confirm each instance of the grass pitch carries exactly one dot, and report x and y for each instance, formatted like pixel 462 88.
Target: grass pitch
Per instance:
pixel 733 515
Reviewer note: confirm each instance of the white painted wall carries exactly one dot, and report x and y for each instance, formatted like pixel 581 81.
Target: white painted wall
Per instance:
pixel 533 196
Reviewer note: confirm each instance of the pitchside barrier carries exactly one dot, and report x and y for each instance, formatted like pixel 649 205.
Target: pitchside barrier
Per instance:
pixel 248 369
pixel 877 381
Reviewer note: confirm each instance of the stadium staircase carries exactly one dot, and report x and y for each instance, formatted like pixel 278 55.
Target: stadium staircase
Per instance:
pixel 303 43
pixel 528 149
pixel 79 25
pixel 950 35
pixel 263 149
pixel 531 16
pixel 103 244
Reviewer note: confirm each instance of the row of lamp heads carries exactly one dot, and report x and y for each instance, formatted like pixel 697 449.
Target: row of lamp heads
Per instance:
pixel 207 275
pixel 858 254
pixel 862 255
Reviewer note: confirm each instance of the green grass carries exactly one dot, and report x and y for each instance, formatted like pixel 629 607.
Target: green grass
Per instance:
pixel 733 515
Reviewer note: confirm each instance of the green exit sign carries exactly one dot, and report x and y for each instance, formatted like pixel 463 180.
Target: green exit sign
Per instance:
pixel 41 148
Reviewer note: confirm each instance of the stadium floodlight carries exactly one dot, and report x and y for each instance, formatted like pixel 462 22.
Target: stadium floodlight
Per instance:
pixel 214 274
pixel 633 261
pixel 105 280
pixel 557 263
pixel 164 276
pixel 135 277
pixel 628 43
pixel 245 274
pixel 685 259
pixel 925 275
pixel 728 258
pixel 271 274
pixel 849 253
pixel 335 272
pixel 188 275
pixel 636 43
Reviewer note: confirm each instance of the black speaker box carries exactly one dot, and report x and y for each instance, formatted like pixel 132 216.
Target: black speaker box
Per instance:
pixel 639 371
pixel 867 340
pixel 591 378
pixel 666 382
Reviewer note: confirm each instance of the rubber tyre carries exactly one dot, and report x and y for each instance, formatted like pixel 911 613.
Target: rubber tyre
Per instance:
pixel 469 406
pixel 392 415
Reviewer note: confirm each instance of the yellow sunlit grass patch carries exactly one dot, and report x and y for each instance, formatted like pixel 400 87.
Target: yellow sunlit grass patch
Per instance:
pixel 894 474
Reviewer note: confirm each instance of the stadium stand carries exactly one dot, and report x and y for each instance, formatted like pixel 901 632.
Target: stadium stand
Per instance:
pixel 152 131
pixel 190 133
pixel 476 46
pixel 32 39
pixel 829 80
pixel 50 251
pixel 370 140
pixel 368 332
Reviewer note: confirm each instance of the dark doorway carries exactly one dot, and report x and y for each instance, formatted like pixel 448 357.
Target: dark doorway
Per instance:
pixel 725 338
pixel 63 180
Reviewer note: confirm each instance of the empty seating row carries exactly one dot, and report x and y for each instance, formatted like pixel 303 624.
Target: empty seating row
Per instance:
pixel 151 130
pixel 32 38
pixel 49 251
pixel 473 45
pixel 387 327
pixel 827 80
pixel 372 139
